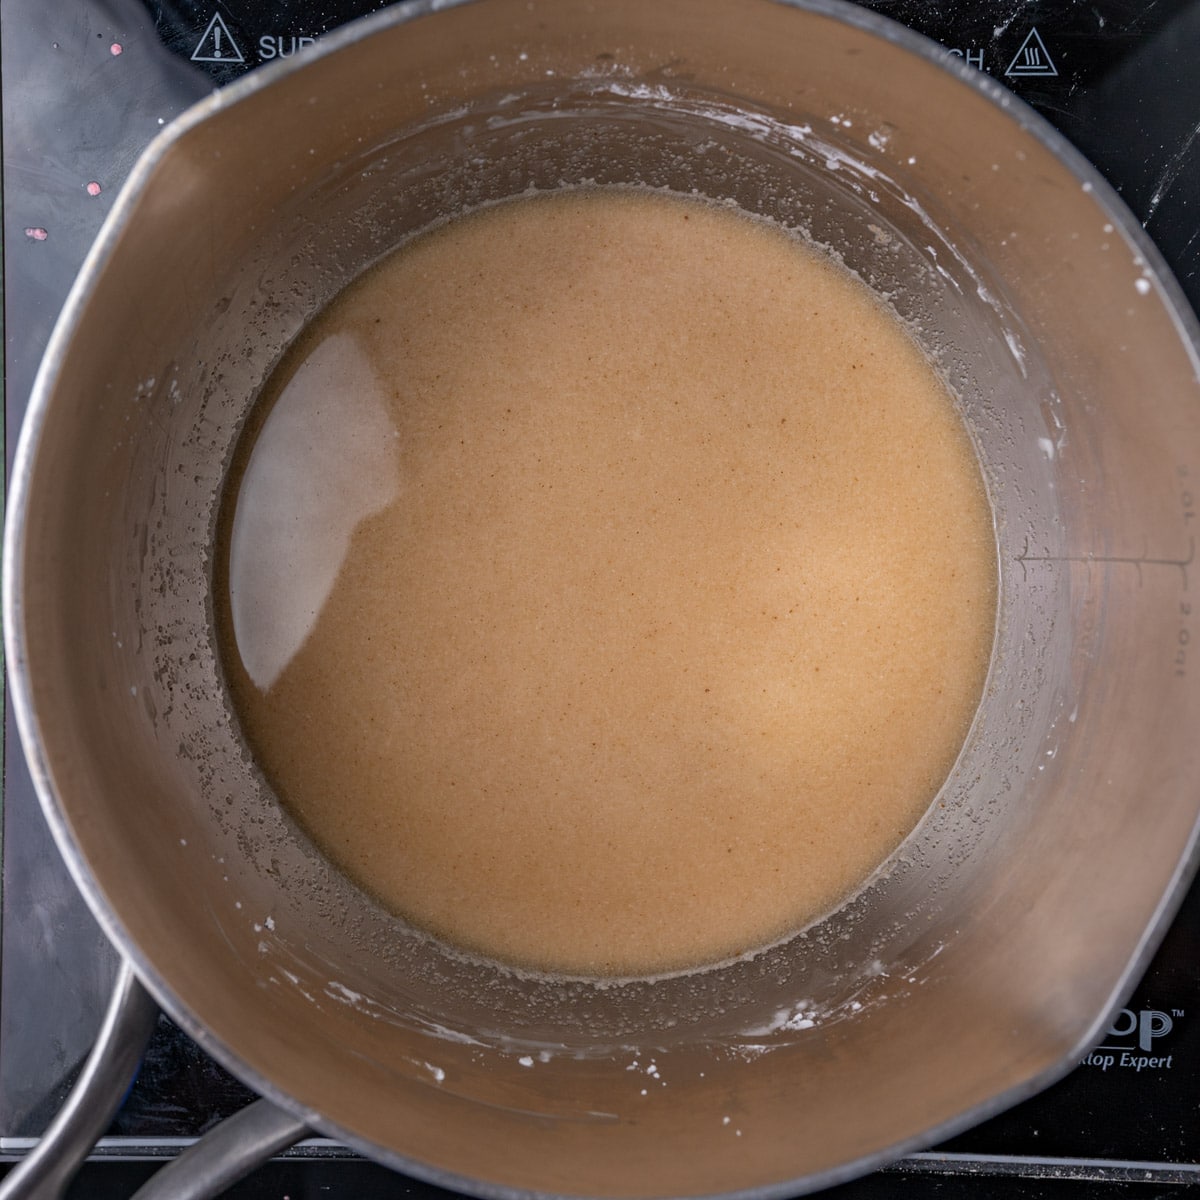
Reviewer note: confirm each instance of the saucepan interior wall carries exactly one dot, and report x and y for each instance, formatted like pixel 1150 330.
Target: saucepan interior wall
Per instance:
pixel 332 230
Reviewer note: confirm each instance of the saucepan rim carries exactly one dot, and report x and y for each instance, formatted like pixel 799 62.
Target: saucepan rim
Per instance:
pixel 30 722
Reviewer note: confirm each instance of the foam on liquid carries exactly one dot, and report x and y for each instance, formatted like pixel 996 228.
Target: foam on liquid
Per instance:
pixel 610 583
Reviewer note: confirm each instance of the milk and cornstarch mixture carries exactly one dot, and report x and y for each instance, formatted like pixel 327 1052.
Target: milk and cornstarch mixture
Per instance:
pixel 610 583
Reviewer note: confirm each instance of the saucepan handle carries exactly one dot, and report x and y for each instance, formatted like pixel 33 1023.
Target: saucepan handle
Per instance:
pixel 104 1082
pixel 226 1153
pixel 219 1159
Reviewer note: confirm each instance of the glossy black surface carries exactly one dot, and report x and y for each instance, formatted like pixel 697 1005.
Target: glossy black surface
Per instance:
pixel 85 86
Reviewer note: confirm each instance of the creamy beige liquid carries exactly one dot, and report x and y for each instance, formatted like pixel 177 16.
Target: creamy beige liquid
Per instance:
pixel 610 583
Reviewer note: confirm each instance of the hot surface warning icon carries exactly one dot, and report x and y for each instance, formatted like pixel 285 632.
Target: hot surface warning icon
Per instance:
pixel 1032 58
pixel 216 45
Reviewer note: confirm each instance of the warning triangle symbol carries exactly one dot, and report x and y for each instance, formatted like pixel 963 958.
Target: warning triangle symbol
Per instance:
pixel 1032 58
pixel 217 44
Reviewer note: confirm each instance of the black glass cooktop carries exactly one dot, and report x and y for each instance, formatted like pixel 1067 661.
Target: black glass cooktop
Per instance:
pixel 85 86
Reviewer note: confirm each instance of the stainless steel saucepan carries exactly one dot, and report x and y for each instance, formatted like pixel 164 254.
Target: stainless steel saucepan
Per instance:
pixel 988 956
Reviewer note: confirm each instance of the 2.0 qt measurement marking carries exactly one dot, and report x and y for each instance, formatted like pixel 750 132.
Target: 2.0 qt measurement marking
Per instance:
pixel 1185 613
pixel 1183 635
